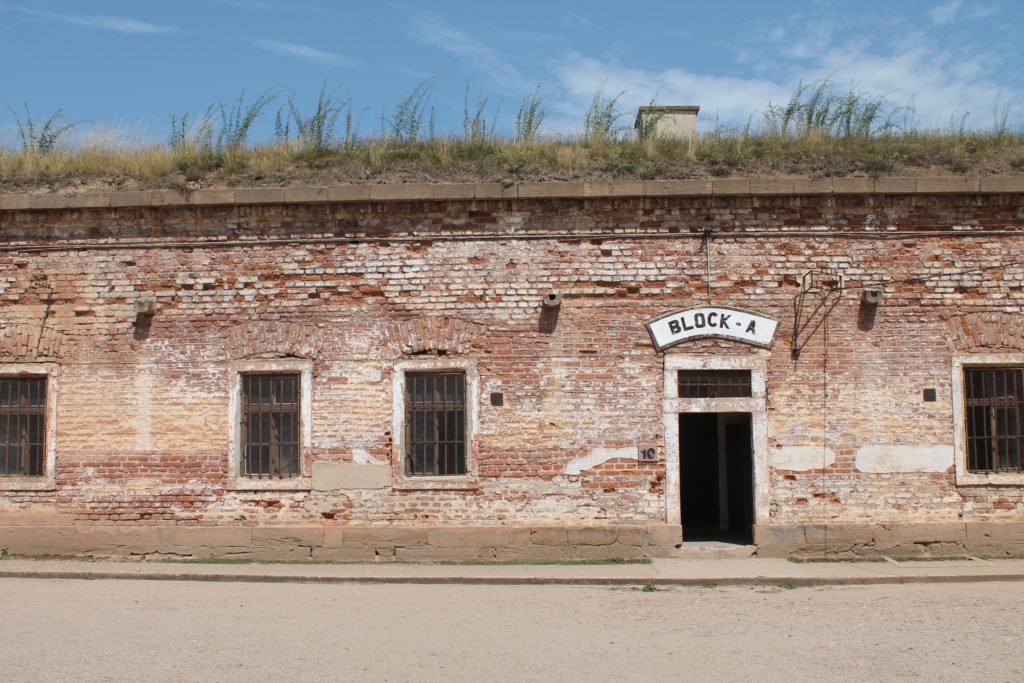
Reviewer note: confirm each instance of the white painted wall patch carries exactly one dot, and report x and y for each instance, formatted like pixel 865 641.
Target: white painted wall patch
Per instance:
pixel 597 456
pixel 802 458
pixel 893 458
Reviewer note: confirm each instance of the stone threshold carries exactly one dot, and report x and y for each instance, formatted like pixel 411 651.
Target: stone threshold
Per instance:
pixel 413 192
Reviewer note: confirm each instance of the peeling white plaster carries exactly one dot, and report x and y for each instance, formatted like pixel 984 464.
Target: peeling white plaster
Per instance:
pixel 890 458
pixel 361 456
pixel 802 458
pixel 359 372
pixel 331 476
pixel 598 456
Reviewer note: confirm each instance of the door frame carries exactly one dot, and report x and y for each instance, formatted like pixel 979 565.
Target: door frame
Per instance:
pixel 756 405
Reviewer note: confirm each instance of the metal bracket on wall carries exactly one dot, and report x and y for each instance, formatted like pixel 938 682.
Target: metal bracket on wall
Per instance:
pixel 820 292
pixel 821 281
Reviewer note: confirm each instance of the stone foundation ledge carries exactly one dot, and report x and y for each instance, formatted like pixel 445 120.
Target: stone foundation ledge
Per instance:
pixel 397 192
pixel 347 544
pixel 935 539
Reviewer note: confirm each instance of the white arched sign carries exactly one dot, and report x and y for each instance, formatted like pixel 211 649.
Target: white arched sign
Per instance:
pixel 712 321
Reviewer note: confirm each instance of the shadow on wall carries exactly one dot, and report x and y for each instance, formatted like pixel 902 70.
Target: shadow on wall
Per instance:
pixel 548 320
pixel 869 301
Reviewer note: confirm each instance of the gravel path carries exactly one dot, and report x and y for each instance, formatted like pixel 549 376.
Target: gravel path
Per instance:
pixel 57 630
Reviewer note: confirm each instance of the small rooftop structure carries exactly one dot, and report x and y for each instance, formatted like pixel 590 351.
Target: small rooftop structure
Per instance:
pixel 676 122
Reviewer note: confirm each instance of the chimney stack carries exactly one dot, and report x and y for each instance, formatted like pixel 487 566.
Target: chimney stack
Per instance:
pixel 671 123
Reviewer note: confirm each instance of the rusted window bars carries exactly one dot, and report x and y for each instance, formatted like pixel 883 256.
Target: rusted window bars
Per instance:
pixel 22 426
pixel 435 424
pixel 714 383
pixel 270 426
pixel 995 419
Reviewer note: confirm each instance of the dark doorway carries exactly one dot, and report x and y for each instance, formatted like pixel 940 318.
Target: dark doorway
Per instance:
pixel 716 470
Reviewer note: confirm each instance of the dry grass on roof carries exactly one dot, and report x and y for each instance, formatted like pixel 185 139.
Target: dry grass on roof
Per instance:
pixel 819 132
pixel 449 160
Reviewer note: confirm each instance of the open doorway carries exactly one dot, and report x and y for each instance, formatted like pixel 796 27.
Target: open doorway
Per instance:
pixel 716 471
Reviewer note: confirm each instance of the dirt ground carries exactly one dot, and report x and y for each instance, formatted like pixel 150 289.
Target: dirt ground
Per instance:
pixel 57 630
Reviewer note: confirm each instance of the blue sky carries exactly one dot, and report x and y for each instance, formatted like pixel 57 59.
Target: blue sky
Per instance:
pixel 130 65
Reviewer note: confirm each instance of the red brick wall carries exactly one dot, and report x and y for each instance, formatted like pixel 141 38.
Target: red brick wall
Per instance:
pixel 143 410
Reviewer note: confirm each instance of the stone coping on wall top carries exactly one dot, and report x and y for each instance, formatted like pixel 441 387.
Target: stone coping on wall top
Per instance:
pixel 530 190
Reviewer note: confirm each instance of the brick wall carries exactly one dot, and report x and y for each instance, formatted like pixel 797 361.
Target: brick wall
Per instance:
pixel 143 420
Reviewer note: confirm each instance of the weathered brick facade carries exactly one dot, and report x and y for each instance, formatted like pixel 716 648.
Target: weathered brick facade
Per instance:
pixel 362 286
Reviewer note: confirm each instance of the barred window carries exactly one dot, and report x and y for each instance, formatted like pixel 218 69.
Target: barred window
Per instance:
pixel 23 426
pixel 995 419
pixel 270 426
pixel 435 424
pixel 714 383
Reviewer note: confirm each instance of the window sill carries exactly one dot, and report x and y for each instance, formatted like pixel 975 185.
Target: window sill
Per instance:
pixel 295 484
pixel 437 484
pixel 989 479
pixel 27 484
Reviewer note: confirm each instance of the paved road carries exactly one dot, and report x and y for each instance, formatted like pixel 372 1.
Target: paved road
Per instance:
pixel 60 630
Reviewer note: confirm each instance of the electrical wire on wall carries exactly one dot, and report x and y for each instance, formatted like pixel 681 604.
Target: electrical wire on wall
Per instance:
pixel 828 294
pixel 823 311
pixel 706 242
pixel 824 434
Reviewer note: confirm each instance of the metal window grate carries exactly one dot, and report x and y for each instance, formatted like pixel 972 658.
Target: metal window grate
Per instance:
pixel 22 426
pixel 995 419
pixel 270 426
pixel 714 383
pixel 435 424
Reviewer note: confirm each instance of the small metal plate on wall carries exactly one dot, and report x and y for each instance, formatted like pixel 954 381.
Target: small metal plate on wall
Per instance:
pixel 648 452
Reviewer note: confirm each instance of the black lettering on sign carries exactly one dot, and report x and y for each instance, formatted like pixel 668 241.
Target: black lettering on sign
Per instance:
pixel 723 322
pixel 752 327
pixel 712 316
pixel 698 320
pixel 685 326
pixel 673 326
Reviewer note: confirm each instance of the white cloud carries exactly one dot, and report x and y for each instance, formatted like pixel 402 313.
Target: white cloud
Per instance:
pixel 816 35
pixel 942 83
pixel 733 99
pixel 906 66
pixel 121 24
pixel 246 4
pixel 303 52
pixel 906 62
pixel 110 23
pixel 501 71
pixel 981 10
pixel 944 14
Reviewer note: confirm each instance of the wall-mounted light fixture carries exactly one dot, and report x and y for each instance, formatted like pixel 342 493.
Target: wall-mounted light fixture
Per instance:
pixel 551 306
pixel 871 297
